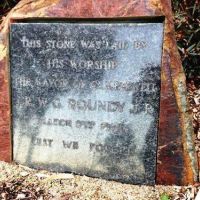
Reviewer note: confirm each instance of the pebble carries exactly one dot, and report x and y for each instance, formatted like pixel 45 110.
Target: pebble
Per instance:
pixel 198 135
pixel 195 110
pixel 197 100
pixel 62 176
pixel 24 174
pixel 41 176
pixel 21 196
pixel 198 196
pixel 3 195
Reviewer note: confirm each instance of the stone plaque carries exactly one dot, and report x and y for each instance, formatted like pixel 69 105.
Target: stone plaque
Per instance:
pixel 85 97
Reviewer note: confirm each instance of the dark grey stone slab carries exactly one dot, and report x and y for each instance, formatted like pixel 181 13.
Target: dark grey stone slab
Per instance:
pixel 85 97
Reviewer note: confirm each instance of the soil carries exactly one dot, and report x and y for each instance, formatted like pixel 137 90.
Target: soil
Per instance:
pixel 20 182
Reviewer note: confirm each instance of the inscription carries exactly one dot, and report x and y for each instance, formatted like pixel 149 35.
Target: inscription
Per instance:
pixel 67 44
pixel 85 124
pixel 102 148
pixel 116 128
pixel 136 108
pixel 116 45
pixel 82 64
pixel 41 142
pixel 89 64
pixel 85 44
pixel 70 145
pixel 91 105
pixel 29 43
pixel 57 122
pixel 140 44
pixel 86 96
pixel 63 83
pixel 29 102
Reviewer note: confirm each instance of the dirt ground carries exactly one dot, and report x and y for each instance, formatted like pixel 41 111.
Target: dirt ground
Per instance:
pixel 19 182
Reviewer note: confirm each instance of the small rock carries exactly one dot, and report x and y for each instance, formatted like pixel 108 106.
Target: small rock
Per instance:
pixel 62 176
pixel 195 110
pixel 198 91
pixel 85 178
pixel 24 174
pixel 198 196
pixel 21 196
pixel 38 189
pixel 198 135
pixel 41 176
pixel 197 100
pixel 3 195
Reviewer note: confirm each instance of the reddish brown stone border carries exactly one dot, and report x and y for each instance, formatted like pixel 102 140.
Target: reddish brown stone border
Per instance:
pixel 176 160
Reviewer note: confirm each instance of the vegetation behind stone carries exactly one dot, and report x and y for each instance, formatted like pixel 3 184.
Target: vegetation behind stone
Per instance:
pixel 187 27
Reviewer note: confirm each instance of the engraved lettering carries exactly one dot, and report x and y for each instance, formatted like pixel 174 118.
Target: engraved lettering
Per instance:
pixel 29 43
pixel 104 44
pixel 91 44
pixel 92 105
pixel 27 101
pixel 90 64
pixel 56 103
pixel 52 82
pixel 139 44
pixel 117 45
pixel 41 141
pixel 57 122
pixel 149 109
pixel 70 145
pixel 85 124
pixel 23 82
pixel 55 63
pixel 66 44
pixel 42 101
pixel 115 128
pixel 102 148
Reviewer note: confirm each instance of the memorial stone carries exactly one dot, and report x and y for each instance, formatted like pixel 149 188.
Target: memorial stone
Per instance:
pixel 85 97
pixel 96 88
